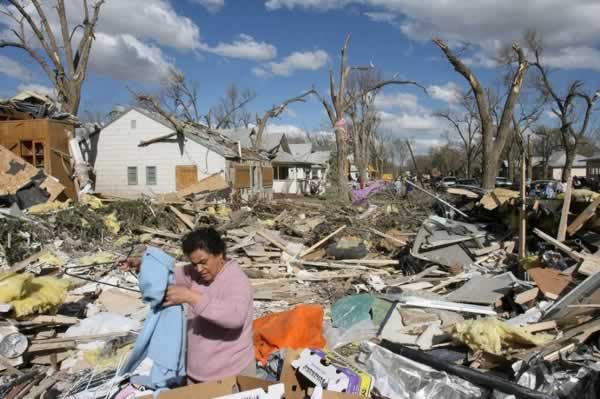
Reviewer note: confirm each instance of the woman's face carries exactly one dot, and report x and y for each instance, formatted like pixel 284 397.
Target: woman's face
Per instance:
pixel 207 265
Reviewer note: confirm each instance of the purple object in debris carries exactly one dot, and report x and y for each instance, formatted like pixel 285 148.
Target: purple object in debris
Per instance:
pixel 362 194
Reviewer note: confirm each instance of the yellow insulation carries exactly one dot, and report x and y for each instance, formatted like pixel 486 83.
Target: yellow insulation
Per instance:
pixel 492 336
pixel 13 287
pixel 41 295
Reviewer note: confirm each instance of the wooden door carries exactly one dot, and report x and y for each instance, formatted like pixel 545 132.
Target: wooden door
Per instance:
pixel 185 176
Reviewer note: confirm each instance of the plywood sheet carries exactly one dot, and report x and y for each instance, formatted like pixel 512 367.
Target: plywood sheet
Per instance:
pixel 185 176
pixel 214 182
pixel 14 172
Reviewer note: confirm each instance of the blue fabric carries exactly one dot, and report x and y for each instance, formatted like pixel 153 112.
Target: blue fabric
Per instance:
pixel 164 334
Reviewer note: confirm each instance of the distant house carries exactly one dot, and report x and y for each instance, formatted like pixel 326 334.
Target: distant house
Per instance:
pixel 171 162
pixel 555 165
pixel 593 166
pixel 294 171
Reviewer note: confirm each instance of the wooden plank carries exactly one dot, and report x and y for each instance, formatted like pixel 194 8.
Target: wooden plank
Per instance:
pixel 564 213
pixel 573 254
pixel 241 177
pixel 159 232
pixel 583 217
pixel 527 296
pixel 267 176
pixel 17 267
pixel 590 265
pixel 184 218
pixel 185 176
pixel 543 326
pixel 387 236
pixel 215 182
pixel 273 241
pixel 321 242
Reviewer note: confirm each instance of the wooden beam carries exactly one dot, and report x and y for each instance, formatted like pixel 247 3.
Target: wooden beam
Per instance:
pixel 564 214
pixel 387 236
pixel 583 217
pixel 17 267
pixel 550 240
pixel 184 218
pixel 523 211
pixel 321 242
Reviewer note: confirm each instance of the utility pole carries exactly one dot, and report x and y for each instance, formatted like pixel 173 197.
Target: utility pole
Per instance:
pixel 415 163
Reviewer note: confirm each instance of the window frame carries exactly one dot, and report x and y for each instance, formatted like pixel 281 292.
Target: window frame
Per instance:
pixel 129 180
pixel 148 182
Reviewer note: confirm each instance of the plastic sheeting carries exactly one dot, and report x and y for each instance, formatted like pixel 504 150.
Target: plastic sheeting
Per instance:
pixel 397 377
pixel 351 309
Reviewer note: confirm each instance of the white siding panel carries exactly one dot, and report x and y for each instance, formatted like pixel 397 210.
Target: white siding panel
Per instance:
pixel 118 149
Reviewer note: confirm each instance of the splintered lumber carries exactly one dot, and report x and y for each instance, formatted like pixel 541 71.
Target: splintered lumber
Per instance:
pixel 387 236
pixel 331 265
pixel 543 326
pixel 527 296
pixel 184 218
pixel 564 214
pixel 370 262
pixel 583 217
pixel 273 241
pixel 573 254
pixel 159 232
pixel 438 199
pixel 321 242
pixel 17 267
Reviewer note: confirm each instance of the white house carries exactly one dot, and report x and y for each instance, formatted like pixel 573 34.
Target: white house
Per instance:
pixel 556 162
pixel 171 162
pixel 294 171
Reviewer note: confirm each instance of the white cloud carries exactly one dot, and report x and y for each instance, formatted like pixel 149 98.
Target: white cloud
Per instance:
pixel 297 61
pixel 315 4
pixel 128 36
pixel 408 122
pixel 381 16
pixel 449 93
pixel 571 34
pixel 291 112
pixel 260 72
pixel 39 89
pixel 244 47
pixel 211 5
pixel 14 69
pixel 125 57
pixel 404 101
pixel 289 130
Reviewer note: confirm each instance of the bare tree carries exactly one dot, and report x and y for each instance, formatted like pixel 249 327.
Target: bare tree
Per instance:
pixel 363 117
pixel 574 109
pixel 380 148
pixel 494 135
pixel 262 121
pixel 65 62
pixel 230 112
pixel 465 123
pixel 180 97
pixel 336 109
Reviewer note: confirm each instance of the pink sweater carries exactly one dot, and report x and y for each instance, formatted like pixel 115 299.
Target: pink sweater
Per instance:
pixel 220 342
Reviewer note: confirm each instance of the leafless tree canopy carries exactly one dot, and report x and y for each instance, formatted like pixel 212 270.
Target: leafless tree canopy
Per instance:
pixel 494 135
pixel 363 115
pixel 63 58
pixel 574 108
pixel 464 122
pixel 337 107
pixel 231 112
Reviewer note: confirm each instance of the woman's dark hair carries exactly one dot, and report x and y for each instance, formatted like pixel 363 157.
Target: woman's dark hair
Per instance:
pixel 207 239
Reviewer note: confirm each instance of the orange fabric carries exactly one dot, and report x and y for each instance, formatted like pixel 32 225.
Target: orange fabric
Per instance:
pixel 297 328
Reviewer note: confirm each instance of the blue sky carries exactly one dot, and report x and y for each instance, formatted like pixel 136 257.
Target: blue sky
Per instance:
pixel 280 48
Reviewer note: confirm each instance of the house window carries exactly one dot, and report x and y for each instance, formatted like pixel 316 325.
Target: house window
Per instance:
pixel 281 172
pixel 133 123
pixel 132 176
pixel 151 175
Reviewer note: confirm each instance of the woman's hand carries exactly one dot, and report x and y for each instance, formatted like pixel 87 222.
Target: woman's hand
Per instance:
pixel 132 264
pixel 177 295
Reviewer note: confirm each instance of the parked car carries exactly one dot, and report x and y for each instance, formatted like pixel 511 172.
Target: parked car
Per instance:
pixel 503 182
pixel 467 182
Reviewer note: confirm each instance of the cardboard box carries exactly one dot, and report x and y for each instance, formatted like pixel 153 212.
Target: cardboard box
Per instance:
pixel 298 387
pixel 217 389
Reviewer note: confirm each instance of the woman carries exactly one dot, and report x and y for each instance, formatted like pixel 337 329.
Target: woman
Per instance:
pixel 219 303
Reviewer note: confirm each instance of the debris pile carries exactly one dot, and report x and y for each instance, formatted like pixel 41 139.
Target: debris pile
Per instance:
pixel 394 296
